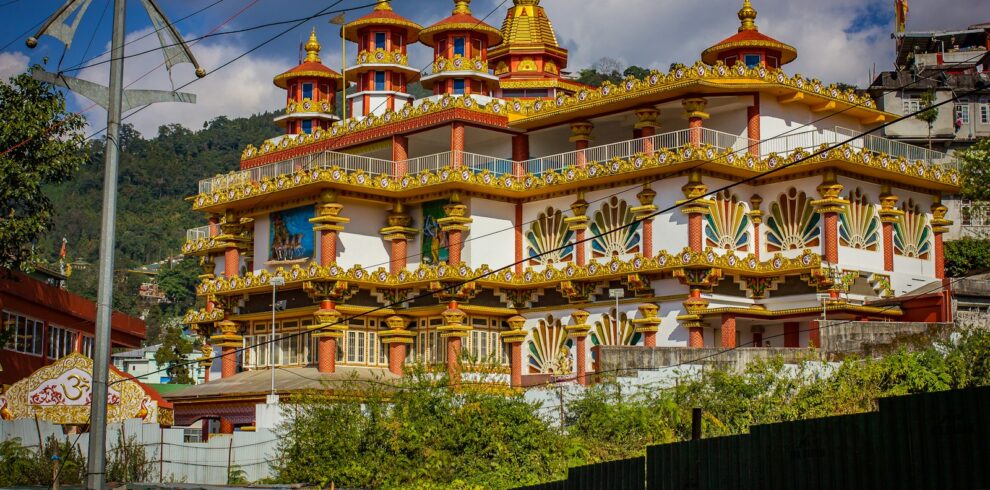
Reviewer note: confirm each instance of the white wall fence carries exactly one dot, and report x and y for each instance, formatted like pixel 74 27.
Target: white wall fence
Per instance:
pixel 170 459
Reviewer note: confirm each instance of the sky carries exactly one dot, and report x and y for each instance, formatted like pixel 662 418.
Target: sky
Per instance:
pixel 837 41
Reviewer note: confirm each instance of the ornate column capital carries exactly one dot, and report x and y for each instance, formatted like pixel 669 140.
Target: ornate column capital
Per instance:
pixel 398 225
pixel 579 209
pixel 888 206
pixel 694 108
pixel 328 324
pixel 647 117
pixel 517 332
pixel 580 329
pixel 328 213
pixel 646 206
pixel 695 189
pixel 939 223
pixel 453 322
pixel 229 335
pixel 830 191
pixel 457 215
pixel 650 322
pixel 581 131
pixel 397 332
pixel 755 213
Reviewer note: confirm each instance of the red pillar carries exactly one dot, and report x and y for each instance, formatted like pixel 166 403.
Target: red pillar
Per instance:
pixel 581 158
pixel 400 155
pixel 226 426
pixel 580 258
pixel 791 334
pixel 515 364
pixel 519 238
pixel 695 124
pixel 648 237
pixel 457 145
pixel 756 240
pixel 520 154
pixel 696 337
pixel 646 133
pixel 454 238
pixel 214 223
pixel 327 355
pixel 728 331
pixel 650 339
pixel 582 360
pixel 231 262
pixel 753 126
pixel 396 357
pixel 454 360
pixel 694 232
pixel 831 237
pixel 399 252
pixel 814 335
pixel 939 256
pixel 328 247
pixel 888 246
pixel 228 366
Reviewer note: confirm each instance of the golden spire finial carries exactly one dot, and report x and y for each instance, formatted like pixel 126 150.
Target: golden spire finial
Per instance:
pixel 383 5
pixel 747 14
pixel 462 7
pixel 313 48
pixel 526 2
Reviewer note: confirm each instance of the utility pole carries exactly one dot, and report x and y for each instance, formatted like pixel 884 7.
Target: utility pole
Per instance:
pixel 115 100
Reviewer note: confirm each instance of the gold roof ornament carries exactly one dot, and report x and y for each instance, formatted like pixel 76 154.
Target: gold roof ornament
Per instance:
pixel 383 5
pixel 747 15
pixel 462 7
pixel 313 48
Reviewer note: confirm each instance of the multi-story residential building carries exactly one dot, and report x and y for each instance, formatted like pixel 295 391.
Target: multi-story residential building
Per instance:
pixel 944 64
pixel 490 222
pixel 141 364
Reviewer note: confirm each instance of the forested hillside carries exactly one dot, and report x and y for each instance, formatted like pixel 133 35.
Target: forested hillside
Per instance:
pixel 156 174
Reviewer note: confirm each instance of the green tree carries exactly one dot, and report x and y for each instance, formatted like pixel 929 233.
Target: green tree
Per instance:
pixel 966 256
pixel 172 352
pixel 930 114
pixel 178 282
pixel 41 144
pixel 637 72
pixel 976 171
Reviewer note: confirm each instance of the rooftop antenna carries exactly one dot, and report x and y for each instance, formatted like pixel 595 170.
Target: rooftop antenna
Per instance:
pixel 115 100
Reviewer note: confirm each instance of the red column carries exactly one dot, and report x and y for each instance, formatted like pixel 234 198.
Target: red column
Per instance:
pixel 327 355
pixel 696 337
pixel 580 258
pixel 454 238
pixel 831 237
pixel 399 252
pixel 453 360
pixel 648 237
pixel 580 146
pixel 695 124
pixel 756 240
pixel 650 339
pixel 646 133
pixel 582 360
pixel 214 223
pixel 515 364
pixel 814 335
pixel 457 145
pixel 888 246
pixel 791 334
pixel 581 137
pixel 520 154
pixel 728 331
pixel 226 426
pixel 694 112
pixel 231 262
pixel 396 357
pixel 228 366
pixel 939 257
pixel 753 126
pixel 400 155
pixel 694 232
pixel 519 238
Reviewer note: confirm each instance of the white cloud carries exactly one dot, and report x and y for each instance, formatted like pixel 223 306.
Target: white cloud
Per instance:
pixel 11 64
pixel 243 88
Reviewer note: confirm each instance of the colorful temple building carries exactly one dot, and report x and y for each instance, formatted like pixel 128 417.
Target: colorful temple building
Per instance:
pixel 487 223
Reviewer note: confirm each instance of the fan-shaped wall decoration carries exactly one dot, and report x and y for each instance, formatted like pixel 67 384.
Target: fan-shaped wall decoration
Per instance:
pixel 792 223
pixel 614 215
pixel 913 232
pixel 550 241
pixel 548 352
pixel 608 331
pixel 859 224
pixel 727 225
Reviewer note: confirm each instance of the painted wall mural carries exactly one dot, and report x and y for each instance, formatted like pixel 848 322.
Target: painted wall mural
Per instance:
pixel 859 224
pixel 913 232
pixel 792 223
pixel 613 215
pixel 727 225
pixel 549 239
pixel 549 348
pixel 434 240
pixel 608 331
pixel 291 239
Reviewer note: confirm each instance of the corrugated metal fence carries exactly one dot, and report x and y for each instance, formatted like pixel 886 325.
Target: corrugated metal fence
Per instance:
pixel 930 441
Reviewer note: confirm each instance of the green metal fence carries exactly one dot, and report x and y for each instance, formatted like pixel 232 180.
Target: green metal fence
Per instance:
pixel 929 441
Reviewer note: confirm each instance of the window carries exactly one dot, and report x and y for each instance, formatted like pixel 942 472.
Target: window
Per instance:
pixel 753 60
pixel 984 111
pixel 429 347
pixel 476 48
pixel 293 345
pixel 307 126
pixel 731 60
pixel 459 46
pixel 910 104
pixel 87 346
pixel 27 333
pixel 307 90
pixel 962 114
pixel 773 62
pixel 379 80
pixel 61 342
pixel 484 344
pixel 458 86
pixel 379 40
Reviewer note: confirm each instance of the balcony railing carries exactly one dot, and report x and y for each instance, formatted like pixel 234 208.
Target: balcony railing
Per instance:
pixel 198 233
pixel 780 145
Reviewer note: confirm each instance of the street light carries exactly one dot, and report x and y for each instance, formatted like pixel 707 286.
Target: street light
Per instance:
pixel 273 397
pixel 616 293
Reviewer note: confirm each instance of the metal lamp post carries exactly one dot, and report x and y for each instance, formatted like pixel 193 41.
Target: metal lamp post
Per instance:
pixel 273 397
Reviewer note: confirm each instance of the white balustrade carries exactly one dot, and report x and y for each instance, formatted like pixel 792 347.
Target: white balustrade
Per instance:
pixel 198 233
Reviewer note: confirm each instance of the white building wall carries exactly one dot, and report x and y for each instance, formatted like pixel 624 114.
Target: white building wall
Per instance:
pixel 360 242
pixel 492 239
pixel 777 119
pixel 262 230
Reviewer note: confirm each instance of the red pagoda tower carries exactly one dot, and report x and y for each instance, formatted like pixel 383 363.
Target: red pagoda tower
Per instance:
pixel 749 45
pixel 460 54
pixel 382 70
pixel 312 88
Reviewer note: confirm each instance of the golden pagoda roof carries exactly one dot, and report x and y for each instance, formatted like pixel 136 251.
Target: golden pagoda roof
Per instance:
pixel 383 15
pixel 749 36
pixel 310 67
pixel 460 20
pixel 527 25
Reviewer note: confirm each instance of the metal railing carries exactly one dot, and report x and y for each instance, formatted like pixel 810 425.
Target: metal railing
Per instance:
pixel 780 145
pixel 198 233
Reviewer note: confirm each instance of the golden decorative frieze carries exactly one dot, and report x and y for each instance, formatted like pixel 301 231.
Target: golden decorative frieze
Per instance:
pixel 502 183
pixel 382 57
pixel 309 106
pixel 459 63
pixel 426 276
pixel 200 316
